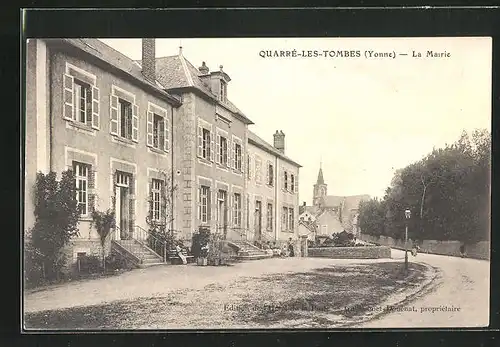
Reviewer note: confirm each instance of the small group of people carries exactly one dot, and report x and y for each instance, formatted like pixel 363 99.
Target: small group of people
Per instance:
pixel 286 251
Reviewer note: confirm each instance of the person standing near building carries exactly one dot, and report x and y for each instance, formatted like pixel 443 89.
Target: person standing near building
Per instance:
pixel 291 251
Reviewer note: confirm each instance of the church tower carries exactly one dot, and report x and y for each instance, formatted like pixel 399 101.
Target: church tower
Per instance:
pixel 320 189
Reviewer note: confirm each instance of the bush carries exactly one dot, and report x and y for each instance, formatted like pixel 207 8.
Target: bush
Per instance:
pixel 114 262
pixel 56 214
pixel 200 239
pixel 89 264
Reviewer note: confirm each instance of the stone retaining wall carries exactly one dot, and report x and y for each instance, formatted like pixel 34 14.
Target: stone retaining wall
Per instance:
pixel 479 250
pixel 373 252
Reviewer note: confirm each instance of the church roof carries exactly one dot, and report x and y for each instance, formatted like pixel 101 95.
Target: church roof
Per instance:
pixel 352 202
pixel 333 200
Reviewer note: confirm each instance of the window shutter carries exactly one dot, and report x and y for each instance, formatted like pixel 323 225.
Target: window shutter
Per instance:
pixel 211 203
pixel 212 151
pixel 233 154
pixel 150 190
pixel 200 141
pixel 268 176
pixel 250 174
pixel 149 127
pixel 135 123
pixel 68 83
pixel 282 178
pixel 163 203
pixel 242 161
pixel 199 203
pixel 296 188
pixel 167 134
pixel 218 158
pixel 113 125
pixel 230 208
pixel 95 108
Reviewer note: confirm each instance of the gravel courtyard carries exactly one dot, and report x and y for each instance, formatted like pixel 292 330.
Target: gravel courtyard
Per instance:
pixel 270 293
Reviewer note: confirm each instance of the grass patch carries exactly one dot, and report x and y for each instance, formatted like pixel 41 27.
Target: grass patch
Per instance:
pixel 325 297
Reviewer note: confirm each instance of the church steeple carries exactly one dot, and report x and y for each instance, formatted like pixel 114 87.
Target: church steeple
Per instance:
pixel 320 176
pixel 320 188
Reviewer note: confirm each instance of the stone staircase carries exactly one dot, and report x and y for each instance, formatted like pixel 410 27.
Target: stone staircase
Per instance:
pixel 136 252
pixel 247 251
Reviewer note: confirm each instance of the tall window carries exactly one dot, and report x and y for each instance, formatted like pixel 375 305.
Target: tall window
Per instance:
pixel 270 174
pixel 292 182
pixel 125 111
pixel 223 150
pixel 269 217
pixel 83 102
pixel 158 132
pixel 156 189
pixel 206 144
pixel 237 210
pixel 221 207
pixel 284 218
pixel 238 155
pixel 204 204
pixel 223 91
pixel 82 172
pixel 285 181
pixel 290 219
pixel 248 166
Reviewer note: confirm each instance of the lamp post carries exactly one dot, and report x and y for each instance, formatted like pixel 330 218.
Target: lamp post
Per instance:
pixel 407 217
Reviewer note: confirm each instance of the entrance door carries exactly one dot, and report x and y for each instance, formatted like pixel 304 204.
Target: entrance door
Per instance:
pixel 258 220
pixel 118 210
pixel 121 206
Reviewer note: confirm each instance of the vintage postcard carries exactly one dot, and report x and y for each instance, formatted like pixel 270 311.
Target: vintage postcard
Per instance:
pixel 257 183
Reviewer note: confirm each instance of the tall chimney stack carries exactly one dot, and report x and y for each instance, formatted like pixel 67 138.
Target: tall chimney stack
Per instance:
pixel 149 59
pixel 279 141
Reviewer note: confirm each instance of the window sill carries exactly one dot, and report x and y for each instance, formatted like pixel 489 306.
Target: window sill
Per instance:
pixel 85 219
pixel 222 167
pixel 80 127
pixel 204 161
pixel 123 141
pixel 155 150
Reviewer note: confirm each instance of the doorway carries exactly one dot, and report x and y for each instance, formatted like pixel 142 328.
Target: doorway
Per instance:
pixel 222 211
pixel 122 215
pixel 258 220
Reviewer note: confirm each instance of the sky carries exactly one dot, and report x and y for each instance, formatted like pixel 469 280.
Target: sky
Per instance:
pixel 362 117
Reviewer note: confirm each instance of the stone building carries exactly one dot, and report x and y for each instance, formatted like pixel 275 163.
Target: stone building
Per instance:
pixel 92 110
pixel 153 140
pixel 272 194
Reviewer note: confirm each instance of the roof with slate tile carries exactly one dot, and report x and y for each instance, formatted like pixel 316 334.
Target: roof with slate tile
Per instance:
pixel 116 59
pixel 176 72
pixel 256 140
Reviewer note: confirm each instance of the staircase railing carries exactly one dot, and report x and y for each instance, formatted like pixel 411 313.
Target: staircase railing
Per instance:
pixel 148 239
pixel 124 252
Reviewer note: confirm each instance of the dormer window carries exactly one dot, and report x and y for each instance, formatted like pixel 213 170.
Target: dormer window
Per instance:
pixel 223 91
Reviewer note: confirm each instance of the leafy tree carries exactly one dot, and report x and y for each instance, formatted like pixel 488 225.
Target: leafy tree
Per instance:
pixel 161 235
pixel 371 217
pixel 103 222
pixel 56 220
pixel 448 192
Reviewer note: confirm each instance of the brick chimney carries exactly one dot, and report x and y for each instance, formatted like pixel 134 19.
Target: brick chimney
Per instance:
pixel 279 141
pixel 149 59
